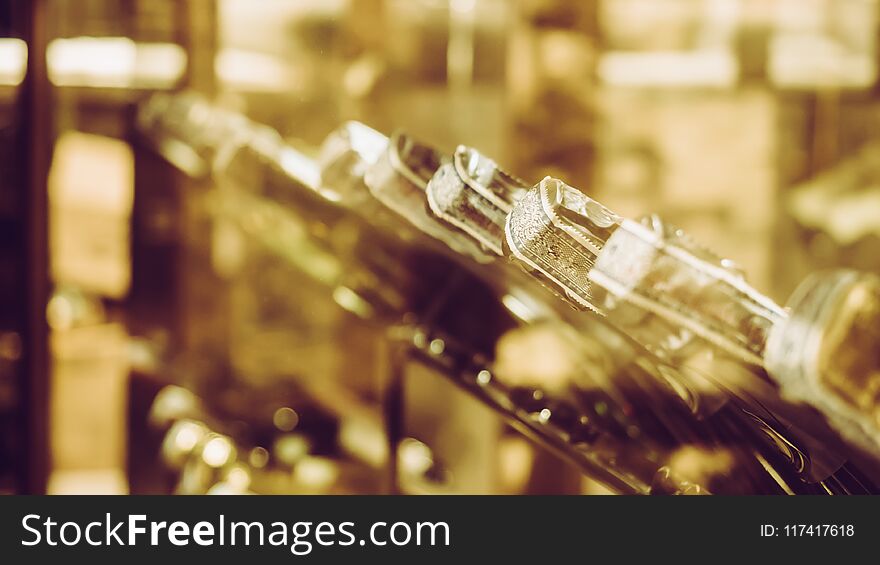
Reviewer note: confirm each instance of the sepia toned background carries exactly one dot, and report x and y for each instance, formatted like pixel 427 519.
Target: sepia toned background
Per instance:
pixel 154 339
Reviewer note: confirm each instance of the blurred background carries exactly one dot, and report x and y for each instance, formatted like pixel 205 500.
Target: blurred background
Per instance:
pixel 159 334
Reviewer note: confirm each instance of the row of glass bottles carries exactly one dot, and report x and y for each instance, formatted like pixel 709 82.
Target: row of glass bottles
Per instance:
pixel 640 402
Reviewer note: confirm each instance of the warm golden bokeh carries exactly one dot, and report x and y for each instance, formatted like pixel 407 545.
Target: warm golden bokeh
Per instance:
pixel 209 283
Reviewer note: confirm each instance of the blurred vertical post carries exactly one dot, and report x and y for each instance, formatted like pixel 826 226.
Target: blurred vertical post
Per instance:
pixel 173 298
pixel 37 141
pixel 198 36
pixel 175 305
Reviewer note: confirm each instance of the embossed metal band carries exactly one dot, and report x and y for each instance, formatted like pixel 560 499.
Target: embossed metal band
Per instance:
pixel 556 230
pixel 399 179
pixel 459 193
pixel 483 175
